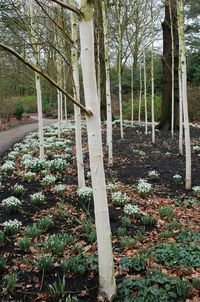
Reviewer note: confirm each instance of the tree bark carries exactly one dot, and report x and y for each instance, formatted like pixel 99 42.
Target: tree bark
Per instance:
pixel 165 121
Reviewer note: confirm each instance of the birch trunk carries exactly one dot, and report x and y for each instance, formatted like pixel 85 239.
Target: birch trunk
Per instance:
pixel 37 80
pixel 120 68
pixel 152 77
pixel 108 92
pixel 145 94
pixel 132 94
pixel 140 96
pixel 182 49
pixel 105 256
pixel 180 109
pixel 59 109
pixel 173 75
pixel 77 112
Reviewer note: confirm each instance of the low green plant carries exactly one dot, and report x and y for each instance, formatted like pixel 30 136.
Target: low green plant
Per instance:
pixel 177 255
pixel 121 231
pixel 131 265
pixel 37 198
pixel 127 242
pixel 154 287
pixel 2 263
pixel 119 199
pixel 92 236
pixel 85 194
pixel 144 188
pixel 71 299
pixel 2 237
pixel 174 225
pixel 57 290
pixel 11 205
pixel 45 264
pixel 126 222
pixel 44 224
pixel 29 176
pixel 165 235
pixel 148 220
pixel 186 202
pixel 9 283
pixel 32 232
pixel 187 236
pixel 48 181
pixel 55 245
pixel 79 264
pixel 24 244
pixel 18 190
pixel 60 189
pixel 167 212
pixel 12 227
pixel 177 179
pixel 18 110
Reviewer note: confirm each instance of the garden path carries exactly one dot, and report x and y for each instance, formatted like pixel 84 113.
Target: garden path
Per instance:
pixel 13 135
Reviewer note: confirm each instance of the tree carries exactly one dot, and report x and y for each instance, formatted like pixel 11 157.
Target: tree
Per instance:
pixel 106 266
pixel 165 122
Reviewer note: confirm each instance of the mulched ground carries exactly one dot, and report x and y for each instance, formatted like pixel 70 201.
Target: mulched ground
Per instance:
pixel 130 164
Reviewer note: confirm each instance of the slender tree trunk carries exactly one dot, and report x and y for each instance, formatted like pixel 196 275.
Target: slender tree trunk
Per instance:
pixel 59 110
pixel 152 77
pixel 108 92
pixel 145 94
pixel 132 93
pixel 172 40
pixel 140 95
pixel 37 80
pixel 120 67
pixel 105 256
pixel 180 108
pixel 182 49
pixel 77 112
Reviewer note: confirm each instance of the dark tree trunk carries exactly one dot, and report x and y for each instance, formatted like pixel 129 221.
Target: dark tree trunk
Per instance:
pixel 100 54
pixel 165 122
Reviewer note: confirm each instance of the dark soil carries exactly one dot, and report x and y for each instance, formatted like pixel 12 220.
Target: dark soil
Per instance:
pixel 129 165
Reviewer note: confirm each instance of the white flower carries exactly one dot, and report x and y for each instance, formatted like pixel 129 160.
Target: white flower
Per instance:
pixel 12 224
pixel 143 187
pixel 177 176
pixel 37 197
pixel 11 202
pixel 154 175
pixel 8 167
pixel 130 209
pixel 196 189
pixel 85 192
pixel 119 198
pixel 111 186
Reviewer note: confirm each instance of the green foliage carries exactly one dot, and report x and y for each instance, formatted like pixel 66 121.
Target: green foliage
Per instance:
pixel 172 255
pixel 167 212
pixel 45 264
pixel 132 265
pixel 127 242
pixel 121 231
pixel 2 237
pixel 148 220
pixel 92 236
pixel 154 287
pixel 55 245
pixel 24 244
pixel 79 264
pixel 126 222
pixel 186 236
pixel 57 290
pixel 174 225
pixel 44 224
pixel 10 282
pixel 32 232
pixel 186 202
pixel 18 110
pixel 2 263
pixel 165 235
pixel 30 103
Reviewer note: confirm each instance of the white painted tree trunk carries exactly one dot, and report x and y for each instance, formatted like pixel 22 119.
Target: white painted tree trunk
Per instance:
pixel 182 49
pixel 77 112
pixel 120 67
pixel 152 78
pixel 64 96
pixel 105 256
pixel 37 80
pixel 132 93
pixel 108 92
pixel 59 110
pixel 145 94
pixel 180 108
pixel 140 95
pixel 173 76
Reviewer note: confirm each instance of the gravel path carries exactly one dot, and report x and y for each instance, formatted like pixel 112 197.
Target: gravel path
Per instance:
pixel 11 136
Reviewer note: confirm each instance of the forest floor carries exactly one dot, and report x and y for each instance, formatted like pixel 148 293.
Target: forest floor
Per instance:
pixel 156 250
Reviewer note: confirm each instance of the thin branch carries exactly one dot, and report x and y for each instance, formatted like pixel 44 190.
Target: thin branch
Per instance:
pixel 67 6
pixel 50 80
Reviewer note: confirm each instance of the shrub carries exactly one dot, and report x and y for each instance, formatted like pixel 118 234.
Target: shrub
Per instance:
pixel 18 111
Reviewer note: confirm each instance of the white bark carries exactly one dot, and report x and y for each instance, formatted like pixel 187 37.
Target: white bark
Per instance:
pixel 180 108
pixel 173 76
pixel 105 257
pixel 140 96
pixel 152 77
pixel 108 92
pixel 145 94
pixel 120 67
pixel 59 110
pixel 77 112
pixel 132 94
pixel 182 49
pixel 37 80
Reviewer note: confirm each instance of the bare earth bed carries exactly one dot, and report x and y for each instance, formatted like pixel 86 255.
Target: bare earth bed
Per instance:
pixel 156 249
